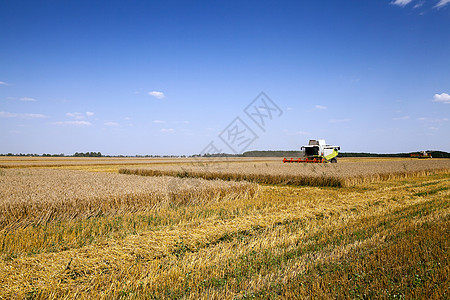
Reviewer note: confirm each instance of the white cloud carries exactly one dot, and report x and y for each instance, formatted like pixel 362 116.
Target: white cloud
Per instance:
pixel 75 115
pixel 156 94
pixel 76 123
pixel 338 120
pixel 443 98
pixel 442 3
pixel 159 121
pixel 27 99
pixel 167 130
pixel 80 116
pixel 3 83
pixel 420 4
pixel 301 133
pixel 401 118
pixel 4 114
pixel 401 2
pixel 433 120
pixel 290 108
pixel 320 107
pixel 112 124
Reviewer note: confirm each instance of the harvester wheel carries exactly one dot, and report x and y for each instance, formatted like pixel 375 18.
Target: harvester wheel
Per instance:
pixel 333 160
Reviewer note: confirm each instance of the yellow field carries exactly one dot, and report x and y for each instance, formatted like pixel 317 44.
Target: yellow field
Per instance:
pixel 80 234
pixel 351 172
pixel 31 197
pixel 85 162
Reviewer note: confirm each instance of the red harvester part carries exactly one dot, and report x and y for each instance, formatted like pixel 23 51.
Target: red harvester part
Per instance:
pixel 421 155
pixel 304 160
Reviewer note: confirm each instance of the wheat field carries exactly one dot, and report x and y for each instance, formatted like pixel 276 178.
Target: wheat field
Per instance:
pixel 46 162
pixel 77 234
pixel 31 197
pixel 273 172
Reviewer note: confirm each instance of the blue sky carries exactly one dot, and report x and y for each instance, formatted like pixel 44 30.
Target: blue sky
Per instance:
pixel 170 77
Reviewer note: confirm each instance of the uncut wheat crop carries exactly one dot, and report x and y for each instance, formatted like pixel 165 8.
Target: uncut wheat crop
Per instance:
pixel 33 162
pixel 37 196
pixel 277 172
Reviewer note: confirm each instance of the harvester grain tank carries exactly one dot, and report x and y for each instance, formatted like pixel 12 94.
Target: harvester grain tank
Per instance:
pixel 317 151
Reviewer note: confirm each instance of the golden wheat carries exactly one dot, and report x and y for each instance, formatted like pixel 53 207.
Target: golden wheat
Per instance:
pixel 34 162
pixel 37 196
pixel 386 239
pixel 346 174
pixel 285 243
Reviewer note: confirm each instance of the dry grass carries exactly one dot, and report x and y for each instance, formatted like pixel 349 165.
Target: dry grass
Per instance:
pixel 334 175
pixel 386 239
pixel 38 196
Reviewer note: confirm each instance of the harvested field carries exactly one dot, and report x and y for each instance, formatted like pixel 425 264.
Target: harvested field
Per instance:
pixel 38 196
pixel 388 240
pixel 275 172
pixel 90 235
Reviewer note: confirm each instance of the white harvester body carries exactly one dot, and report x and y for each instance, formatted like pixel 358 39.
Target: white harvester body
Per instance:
pixel 317 151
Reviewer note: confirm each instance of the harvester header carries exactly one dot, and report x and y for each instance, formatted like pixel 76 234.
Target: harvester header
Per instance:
pixel 317 151
pixel 421 154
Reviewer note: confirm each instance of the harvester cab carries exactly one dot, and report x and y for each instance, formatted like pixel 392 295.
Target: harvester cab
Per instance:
pixel 317 151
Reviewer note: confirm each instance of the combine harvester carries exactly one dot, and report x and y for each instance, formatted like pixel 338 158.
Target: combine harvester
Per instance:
pixel 422 154
pixel 317 151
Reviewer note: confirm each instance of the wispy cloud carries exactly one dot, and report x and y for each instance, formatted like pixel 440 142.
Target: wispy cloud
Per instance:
pixel 5 114
pixel 401 118
pixel 301 133
pixel 443 98
pixel 156 94
pixel 27 99
pixel 75 123
pixel 320 107
pixel 3 83
pixel 167 130
pixel 159 121
pixel 75 115
pixel 420 4
pixel 441 3
pixel 401 3
pixel 433 120
pixel 339 120
pixel 80 116
pixel 180 122
pixel 111 124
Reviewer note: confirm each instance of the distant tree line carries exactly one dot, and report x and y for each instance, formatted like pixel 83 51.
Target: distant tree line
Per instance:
pixel 282 153
pixel 88 154
pixel 33 154
pixel 256 153
pixel 279 153
pixel 435 154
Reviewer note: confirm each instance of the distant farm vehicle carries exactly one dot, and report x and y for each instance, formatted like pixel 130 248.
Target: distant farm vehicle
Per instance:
pixel 421 154
pixel 317 151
